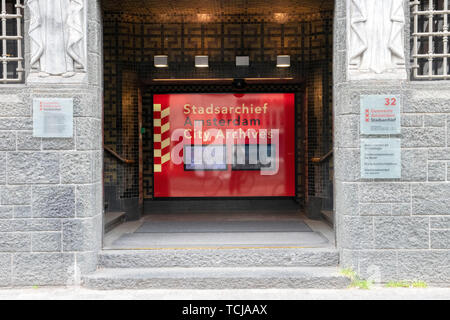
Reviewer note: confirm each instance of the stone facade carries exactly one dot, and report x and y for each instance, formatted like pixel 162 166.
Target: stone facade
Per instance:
pixel 51 189
pixel 393 229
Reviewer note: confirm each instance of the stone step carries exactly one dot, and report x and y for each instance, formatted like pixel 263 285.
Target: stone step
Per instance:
pixel 113 219
pixel 235 257
pixel 216 278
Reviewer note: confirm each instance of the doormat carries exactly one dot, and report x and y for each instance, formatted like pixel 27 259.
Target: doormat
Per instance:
pixel 222 226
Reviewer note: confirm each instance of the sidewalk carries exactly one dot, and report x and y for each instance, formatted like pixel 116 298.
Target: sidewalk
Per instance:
pixel 376 293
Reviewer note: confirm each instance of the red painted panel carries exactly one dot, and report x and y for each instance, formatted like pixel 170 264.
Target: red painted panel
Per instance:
pixel 226 128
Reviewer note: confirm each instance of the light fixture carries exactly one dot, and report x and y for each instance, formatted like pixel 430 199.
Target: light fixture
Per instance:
pixel 242 61
pixel 164 17
pixel 281 17
pixel 204 17
pixel 161 61
pixel 201 61
pixel 283 61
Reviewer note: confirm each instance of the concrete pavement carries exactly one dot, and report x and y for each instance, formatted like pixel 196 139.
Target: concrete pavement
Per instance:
pixel 376 293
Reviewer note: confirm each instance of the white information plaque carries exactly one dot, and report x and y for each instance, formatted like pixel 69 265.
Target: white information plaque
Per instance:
pixel 380 114
pixel 381 159
pixel 53 118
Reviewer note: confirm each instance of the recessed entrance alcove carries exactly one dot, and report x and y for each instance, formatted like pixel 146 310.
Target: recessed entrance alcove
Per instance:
pixel 242 65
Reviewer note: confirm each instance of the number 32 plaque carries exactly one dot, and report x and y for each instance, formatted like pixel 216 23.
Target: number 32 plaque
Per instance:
pixel 380 114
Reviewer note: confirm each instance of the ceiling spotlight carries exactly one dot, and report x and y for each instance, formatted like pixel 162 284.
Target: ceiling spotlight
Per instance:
pixel 242 61
pixel 283 61
pixel 281 17
pixel 201 61
pixel 204 17
pixel 161 61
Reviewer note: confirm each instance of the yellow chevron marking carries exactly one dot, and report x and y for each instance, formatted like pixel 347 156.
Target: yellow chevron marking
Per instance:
pixel 165 143
pixel 157 153
pixel 156 107
pixel 157 122
pixel 165 128
pixel 157 168
pixel 165 158
pixel 165 113
pixel 156 137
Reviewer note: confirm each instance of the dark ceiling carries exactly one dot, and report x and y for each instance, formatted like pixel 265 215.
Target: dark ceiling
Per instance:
pixel 217 7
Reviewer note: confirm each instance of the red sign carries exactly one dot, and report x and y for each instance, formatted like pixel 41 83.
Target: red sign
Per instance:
pixel 224 145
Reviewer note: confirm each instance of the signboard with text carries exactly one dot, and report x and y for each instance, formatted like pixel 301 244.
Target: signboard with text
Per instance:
pixel 381 159
pixel 380 114
pixel 53 118
pixel 224 145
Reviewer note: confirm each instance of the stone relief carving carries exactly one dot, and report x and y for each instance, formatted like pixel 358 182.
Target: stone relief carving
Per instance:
pixel 57 36
pixel 376 41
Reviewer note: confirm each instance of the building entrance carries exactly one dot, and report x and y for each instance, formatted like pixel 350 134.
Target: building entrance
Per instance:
pixel 224 145
pixel 217 110
pixel 245 142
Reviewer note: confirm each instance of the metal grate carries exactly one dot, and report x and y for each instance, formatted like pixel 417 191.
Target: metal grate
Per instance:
pixel 430 47
pixel 11 41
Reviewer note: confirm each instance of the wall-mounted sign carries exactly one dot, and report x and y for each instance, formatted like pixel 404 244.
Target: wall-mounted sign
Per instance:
pixel 380 114
pixel 53 117
pixel 381 159
pixel 224 145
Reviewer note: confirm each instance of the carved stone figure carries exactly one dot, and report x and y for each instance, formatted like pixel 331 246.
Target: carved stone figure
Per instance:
pixel 376 45
pixel 57 37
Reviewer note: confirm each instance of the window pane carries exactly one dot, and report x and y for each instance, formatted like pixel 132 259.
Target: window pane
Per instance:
pixel 14 60
pixel 430 39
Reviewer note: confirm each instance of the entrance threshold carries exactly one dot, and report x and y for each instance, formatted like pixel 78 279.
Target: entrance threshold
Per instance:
pixel 221 224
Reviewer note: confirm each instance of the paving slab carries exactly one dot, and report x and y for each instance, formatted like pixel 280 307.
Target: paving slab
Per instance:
pixel 77 293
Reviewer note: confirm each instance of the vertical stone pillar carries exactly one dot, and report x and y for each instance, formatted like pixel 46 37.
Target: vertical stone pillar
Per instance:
pixel 391 229
pixel 51 188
